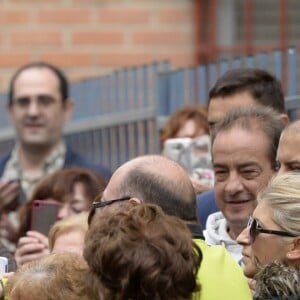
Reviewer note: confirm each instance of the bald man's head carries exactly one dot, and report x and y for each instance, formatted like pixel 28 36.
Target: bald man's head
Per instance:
pixel 157 180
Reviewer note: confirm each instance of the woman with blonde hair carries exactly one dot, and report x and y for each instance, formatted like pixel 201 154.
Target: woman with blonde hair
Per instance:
pixel 273 231
pixel 68 234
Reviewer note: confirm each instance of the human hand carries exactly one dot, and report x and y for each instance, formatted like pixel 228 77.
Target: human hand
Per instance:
pixel 8 228
pixel 33 246
pixel 198 186
pixel 9 191
pixel 251 284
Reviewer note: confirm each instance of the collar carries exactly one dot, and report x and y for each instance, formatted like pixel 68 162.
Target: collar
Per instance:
pixel 52 163
pixel 196 230
pixel 58 152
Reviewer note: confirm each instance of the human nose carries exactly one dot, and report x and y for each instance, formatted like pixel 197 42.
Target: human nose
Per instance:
pixel 282 169
pixel 234 184
pixel 244 237
pixel 33 108
pixel 63 212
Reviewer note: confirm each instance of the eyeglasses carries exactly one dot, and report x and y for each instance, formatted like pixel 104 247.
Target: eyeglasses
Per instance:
pixel 255 230
pixel 99 204
pixel 109 202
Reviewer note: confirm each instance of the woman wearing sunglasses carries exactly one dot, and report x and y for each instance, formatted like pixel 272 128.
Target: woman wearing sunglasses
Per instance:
pixel 273 231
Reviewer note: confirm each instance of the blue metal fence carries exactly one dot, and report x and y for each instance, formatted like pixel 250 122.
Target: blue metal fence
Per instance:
pixel 117 116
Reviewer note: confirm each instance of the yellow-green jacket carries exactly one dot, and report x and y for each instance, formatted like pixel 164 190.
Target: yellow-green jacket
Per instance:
pixel 220 277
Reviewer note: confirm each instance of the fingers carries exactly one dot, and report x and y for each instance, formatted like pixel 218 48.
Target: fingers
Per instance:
pixel 30 248
pixel 25 258
pixel 252 284
pixel 39 236
pixel 198 186
pixel 9 190
pixel 7 275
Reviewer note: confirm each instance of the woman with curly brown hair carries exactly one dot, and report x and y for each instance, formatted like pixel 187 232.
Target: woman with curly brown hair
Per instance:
pixel 140 253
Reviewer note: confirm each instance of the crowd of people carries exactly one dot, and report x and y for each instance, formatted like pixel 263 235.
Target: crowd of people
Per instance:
pixel 152 229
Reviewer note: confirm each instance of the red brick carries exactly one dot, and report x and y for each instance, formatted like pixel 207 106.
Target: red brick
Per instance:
pixel 84 2
pixel 13 16
pixel 64 16
pixel 124 59
pixel 9 59
pixel 124 15
pixel 96 37
pixel 164 38
pixel 33 2
pixel 50 38
pixel 174 15
pixel 178 60
pixel 67 59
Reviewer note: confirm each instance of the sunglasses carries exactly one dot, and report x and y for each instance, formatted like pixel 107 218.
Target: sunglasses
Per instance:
pixel 101 204
pixel 255 229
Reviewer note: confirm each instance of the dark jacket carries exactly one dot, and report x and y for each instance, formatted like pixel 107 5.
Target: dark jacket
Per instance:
pixel 206 205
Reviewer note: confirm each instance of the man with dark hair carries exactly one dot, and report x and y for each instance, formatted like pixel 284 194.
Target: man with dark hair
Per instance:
pixel 39 106
pixel 142 180
pixel 244 148
pixel 239 88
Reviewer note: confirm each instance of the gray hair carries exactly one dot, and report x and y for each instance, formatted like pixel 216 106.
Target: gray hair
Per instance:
pixel 254 118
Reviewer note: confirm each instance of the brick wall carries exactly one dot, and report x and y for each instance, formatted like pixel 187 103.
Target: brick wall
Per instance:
pixel 88 37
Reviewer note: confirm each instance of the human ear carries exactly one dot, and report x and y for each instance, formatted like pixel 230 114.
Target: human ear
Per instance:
pixel 134 199
pixel 294 253
pixel 285 119
pixel 68 107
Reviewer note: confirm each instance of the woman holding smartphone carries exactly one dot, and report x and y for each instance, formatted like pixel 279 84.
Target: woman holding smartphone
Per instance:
pixel 71 191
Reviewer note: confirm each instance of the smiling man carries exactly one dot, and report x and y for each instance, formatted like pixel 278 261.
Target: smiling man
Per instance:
pixel 239 88
pixel 244 160
pixel 39 106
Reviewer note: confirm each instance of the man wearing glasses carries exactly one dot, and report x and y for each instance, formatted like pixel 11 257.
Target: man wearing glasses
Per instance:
pixel 244 160
pixel 158 180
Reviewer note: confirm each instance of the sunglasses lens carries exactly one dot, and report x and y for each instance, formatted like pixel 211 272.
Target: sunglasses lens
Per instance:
pixel 252 231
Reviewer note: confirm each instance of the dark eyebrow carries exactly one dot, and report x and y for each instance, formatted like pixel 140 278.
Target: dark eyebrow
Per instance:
pixel 218 165
pixel 292 162
pixel 249 164
pixel 243 165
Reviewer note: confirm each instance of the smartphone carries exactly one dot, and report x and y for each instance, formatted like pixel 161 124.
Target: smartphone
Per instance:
pixel 3 265
pixel 190 153
pixel 43 215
